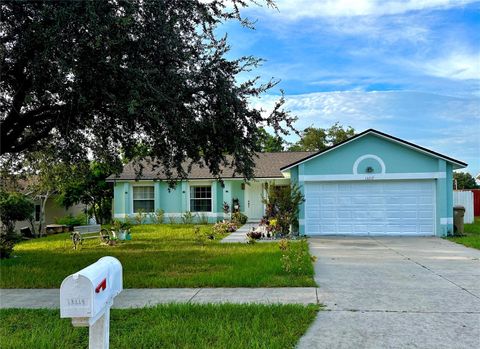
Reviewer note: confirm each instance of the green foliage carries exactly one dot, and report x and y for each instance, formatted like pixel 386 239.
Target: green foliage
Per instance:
pixel 223 228
pixel 282 204
pixel 170 326
pixel 159 256
pixel 6 246
pixel 294 256
pixel 86 183
pixel 464 180
pixel 471 238
pixel 239 218
pixel 140 216
pixel 172 219
pixel 203 218
pixel 80 219
pixel 315 139
pixel 13 207
pixel 154 73
pixel 269 143
pixel 188 218
pixel 158 216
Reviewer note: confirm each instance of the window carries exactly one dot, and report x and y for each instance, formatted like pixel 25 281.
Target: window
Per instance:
pixel 37 213
pixel 201 199
pixel 143 199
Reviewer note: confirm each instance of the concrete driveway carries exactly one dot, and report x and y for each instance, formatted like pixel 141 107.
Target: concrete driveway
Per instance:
pixel 395 293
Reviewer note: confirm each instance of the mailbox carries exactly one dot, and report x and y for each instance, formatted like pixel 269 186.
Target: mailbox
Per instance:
pixel 85 295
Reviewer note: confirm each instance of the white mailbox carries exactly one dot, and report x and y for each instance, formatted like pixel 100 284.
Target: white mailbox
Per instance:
pixel 87 296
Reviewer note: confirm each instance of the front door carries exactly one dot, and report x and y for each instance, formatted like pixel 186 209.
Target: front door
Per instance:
pixel 253 201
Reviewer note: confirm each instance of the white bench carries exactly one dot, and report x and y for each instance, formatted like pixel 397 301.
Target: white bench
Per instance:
pixel 92 231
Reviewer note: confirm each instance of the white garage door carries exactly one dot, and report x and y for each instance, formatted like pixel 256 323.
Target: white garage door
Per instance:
pixel 370 208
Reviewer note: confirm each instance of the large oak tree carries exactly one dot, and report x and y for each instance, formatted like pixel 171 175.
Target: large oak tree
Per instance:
pixel 101 77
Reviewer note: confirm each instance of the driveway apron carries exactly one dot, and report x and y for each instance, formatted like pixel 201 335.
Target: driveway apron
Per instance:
pixel 397 292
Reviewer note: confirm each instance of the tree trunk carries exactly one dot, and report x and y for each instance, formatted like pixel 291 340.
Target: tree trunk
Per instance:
pixel 41 228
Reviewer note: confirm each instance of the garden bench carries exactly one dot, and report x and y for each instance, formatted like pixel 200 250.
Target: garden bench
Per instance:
pixel 92 231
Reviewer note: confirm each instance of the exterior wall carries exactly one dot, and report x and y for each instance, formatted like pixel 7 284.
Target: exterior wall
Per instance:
pixel 389 160
pixel 176 201
pixel 53 211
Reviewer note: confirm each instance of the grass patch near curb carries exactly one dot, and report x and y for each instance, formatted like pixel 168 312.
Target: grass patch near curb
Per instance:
pixel 158 256
pixel 166 326
pixel 472 235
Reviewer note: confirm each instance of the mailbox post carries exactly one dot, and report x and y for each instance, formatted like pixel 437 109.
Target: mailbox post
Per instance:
pixel 86 298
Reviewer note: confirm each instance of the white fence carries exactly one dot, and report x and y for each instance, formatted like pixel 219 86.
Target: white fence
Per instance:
pixel 464 198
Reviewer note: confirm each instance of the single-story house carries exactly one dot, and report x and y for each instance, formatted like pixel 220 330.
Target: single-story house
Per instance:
pixel 370 184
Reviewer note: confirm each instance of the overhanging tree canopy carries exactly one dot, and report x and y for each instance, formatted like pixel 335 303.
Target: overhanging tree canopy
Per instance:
pixel 100 77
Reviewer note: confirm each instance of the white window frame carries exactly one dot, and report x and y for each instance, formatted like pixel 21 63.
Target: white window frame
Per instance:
pixel 133 199
pixel 200 184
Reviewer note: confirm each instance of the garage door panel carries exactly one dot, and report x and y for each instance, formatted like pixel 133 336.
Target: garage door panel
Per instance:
pixel 360 208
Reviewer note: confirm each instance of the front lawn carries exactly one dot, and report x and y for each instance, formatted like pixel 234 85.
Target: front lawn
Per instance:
pixel 158 256
pixel 166 326
pixel 472 235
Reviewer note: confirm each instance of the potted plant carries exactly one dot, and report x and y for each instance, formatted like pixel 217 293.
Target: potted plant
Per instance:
pixel 125 229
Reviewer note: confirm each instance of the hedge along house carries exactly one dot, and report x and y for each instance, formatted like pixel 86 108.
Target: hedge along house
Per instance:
pixel 375 184
pixel 371 184
pixel 201 194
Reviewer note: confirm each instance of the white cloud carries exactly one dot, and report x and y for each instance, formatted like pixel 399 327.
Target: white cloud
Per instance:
pixel 446 124
pixel 456 65
pixel 294 9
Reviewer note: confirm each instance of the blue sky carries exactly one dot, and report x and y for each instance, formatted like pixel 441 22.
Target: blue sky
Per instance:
pixel 408 68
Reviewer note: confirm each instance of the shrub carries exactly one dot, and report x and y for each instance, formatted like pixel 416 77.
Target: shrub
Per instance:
pixel 80 219
pixel 294 255
pixel 282 203
pixel 6 247
pixel 13 207
pixel 203 219
pixel 172 220
pixel 224 227
pixel 239 218
pixel 158 216
pixel 200 237
pixel 256 235
pixel 188 218
pixel 140 216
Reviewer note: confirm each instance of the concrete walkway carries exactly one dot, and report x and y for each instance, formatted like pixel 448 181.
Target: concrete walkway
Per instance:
pixel 240 235
pixel 144 297
pixel 395 293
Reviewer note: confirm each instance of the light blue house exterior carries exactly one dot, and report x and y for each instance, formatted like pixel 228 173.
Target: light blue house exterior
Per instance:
pixel 371 184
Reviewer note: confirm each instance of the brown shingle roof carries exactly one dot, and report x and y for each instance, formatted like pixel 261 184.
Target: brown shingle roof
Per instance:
pixel 267 165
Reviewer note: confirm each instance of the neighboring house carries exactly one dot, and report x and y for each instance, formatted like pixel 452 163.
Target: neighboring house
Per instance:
pixel 53 210
pixel 371 184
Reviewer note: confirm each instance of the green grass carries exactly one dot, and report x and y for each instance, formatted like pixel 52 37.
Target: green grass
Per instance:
pixel 166 326
pixel 158 256
pixel 472 235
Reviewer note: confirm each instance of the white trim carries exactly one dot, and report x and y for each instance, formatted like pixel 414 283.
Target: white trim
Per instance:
pixel 371 177
pixel 132 185
pixel 380 135
pixel 120 215
pixel 201 184
pixel 368 156
pixel 445 221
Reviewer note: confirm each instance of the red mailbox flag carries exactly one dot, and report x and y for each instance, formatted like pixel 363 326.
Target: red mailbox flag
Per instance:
pixel 101 286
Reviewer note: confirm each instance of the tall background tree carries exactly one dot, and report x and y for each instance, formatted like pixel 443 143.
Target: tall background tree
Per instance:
pixel 269 142
pixel 315 139
pixel 464 180
pixel 93 78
